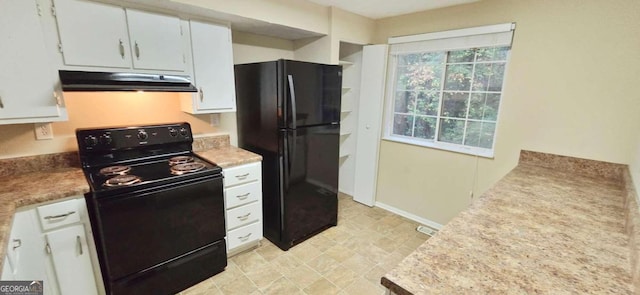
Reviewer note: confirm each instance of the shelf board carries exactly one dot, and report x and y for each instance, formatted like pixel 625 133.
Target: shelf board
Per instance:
pixel 345 111
pixel 345 155
pixel 345 133
pixel 345 63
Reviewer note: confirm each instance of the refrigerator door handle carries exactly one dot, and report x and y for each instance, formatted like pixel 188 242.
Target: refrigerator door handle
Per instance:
pixel 293 101
pixel 292 153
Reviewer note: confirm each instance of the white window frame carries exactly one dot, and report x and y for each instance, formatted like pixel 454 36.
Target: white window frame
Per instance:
pixel 444 41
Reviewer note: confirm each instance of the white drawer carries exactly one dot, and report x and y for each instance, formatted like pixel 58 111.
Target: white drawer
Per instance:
pixel 59 214
pixel 242 194
pixel 244 235
pixel 241 174
pixel 243 215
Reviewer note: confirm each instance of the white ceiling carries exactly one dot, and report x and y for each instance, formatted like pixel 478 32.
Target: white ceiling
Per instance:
pixel 384 8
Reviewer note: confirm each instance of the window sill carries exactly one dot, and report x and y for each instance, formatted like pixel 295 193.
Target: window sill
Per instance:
pixel 480 152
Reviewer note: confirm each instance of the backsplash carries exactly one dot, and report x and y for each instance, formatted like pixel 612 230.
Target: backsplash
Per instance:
pixel 593 168
pixel 14 166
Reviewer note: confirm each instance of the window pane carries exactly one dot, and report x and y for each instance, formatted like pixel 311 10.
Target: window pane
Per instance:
pixel 416 58
pixel 420 77
pixel 402 124
pixel 484 106
pixel 495 83
pixel 458 77
pixel 472 136
pixel 492 54
pixel 455 104
pixel 425 127
pixel 480 134
pixel 404 102
pixel 491 107
pixel 461 56
pixel 451 130
pixel 488 77
pixel 428 103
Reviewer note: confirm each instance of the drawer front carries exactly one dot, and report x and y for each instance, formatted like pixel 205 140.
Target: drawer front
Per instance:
pixel 59 214
pixel 241 174
pixel 243 215
pixel 242 194
pixel 244 235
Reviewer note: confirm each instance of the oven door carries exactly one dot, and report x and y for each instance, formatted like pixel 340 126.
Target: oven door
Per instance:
pixel 140 230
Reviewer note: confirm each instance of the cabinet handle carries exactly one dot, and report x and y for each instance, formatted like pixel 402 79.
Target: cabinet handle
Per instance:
pixel 201 93
pixel 137 49
pixel 244 217
pixel 1 104
pixel 59 216
pixel 244 238
pixel 79 244
pixel 243 197
pixel 17 243
pixel 242 177
pixel 47 248
pixel 121 47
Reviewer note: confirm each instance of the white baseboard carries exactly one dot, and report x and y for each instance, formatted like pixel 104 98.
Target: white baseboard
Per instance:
pixel 408 215
pixel 346 192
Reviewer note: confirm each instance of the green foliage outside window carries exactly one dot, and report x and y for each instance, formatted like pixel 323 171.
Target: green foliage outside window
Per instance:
pixel 451 96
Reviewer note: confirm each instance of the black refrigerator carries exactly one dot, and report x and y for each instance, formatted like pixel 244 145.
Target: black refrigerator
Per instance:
pixel 289 112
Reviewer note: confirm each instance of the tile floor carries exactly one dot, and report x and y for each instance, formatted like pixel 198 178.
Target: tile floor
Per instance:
pixel 347 259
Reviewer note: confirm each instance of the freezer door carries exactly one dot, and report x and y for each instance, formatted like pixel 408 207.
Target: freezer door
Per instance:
pixel 310 181
pixel 312 93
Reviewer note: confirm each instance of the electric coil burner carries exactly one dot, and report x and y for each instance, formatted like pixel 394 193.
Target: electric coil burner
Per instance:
pixel 156 208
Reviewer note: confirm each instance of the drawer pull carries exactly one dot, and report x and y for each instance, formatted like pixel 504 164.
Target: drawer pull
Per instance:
pixel 243 197
pixel 242 177
pixel 244 238
pixel 17 243
pixel 244 217
pixel 59 216
pixel 79 244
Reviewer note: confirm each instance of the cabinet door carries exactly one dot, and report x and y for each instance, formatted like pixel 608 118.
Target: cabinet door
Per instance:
pixel 27 79
pixel 213 67
pixel 71 260
pixel 156 41
pixel 93 34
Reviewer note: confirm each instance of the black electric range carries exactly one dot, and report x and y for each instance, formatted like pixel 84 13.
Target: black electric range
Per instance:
pixel 156 208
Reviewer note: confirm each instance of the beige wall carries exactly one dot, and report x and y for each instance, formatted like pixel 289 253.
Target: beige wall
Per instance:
pixel 248 48
pixel 305 15
pixel 99 109
pixel 569 91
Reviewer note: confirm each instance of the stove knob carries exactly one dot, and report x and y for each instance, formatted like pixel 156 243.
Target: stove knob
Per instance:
pixel 91 141
pixel 173 132
pixel 142 135
pixel 183 132
pixel 106 139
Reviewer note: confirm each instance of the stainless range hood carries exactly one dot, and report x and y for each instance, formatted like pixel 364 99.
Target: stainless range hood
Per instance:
pixel 105 81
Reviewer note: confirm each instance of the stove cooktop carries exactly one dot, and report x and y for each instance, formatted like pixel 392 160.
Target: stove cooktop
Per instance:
pixel 139 175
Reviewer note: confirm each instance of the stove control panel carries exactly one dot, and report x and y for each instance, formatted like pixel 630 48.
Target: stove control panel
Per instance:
pixel 123 138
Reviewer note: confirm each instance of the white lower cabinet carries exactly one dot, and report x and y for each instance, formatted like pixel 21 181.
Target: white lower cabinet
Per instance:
pixel 53 243
pixel 70 256
pixel 243 206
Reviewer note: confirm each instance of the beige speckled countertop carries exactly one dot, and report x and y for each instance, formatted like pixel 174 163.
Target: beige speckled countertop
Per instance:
pixel 539 230
pixel 28 188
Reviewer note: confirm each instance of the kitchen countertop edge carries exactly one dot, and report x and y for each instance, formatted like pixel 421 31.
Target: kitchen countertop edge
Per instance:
pixel 18 191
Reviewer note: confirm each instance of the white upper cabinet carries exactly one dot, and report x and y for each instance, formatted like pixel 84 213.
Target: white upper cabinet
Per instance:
pixel 212 56
pixel 28 82
pixel 93 34
pixel 100 35
pixel 156 41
